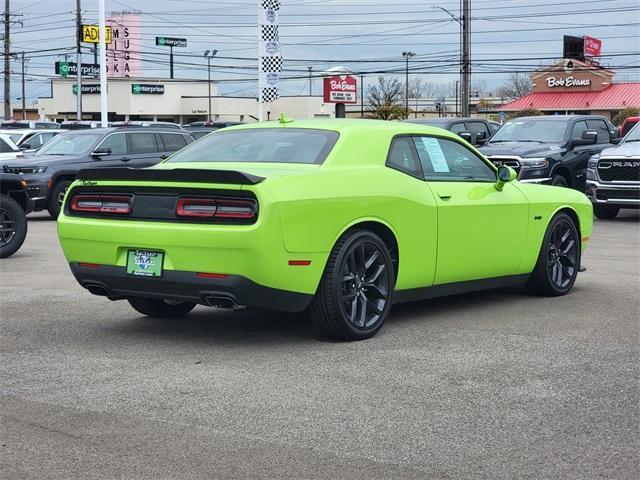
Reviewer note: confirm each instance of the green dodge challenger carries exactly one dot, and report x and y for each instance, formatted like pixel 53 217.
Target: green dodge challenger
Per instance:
pixel 340 217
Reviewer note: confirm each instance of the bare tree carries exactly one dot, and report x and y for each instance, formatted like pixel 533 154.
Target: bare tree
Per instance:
pixel 516 85
pixel 385 99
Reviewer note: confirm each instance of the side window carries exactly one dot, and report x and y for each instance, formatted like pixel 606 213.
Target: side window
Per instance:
pixel 35 141
pixel 402 156
pixel 172 141
pixel 446 160
pixel 142 143
pixel 478 128
pixel 603 131
pixel 578 129
pixel 458 127
pixel 4 147
pixel 116 142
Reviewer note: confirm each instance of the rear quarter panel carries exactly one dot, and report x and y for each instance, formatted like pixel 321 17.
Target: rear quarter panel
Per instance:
pixel 546 201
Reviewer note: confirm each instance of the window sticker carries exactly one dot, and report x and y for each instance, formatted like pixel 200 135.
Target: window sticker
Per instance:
pixel 436 156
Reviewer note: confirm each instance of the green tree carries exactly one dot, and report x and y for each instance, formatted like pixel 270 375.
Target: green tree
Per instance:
pixel 385 99
pixel 622 115
pixel 527 112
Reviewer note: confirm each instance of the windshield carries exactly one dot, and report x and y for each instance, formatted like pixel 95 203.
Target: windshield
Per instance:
pixel 69 144
pixel 531 130
pixel 633 135
pixel 265 145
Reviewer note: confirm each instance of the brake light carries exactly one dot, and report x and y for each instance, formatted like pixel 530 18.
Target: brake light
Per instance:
pixel 216 208
pixel 118 204
pixel 196 207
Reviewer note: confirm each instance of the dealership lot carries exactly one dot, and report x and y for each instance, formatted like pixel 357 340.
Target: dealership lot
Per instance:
pixel 487 385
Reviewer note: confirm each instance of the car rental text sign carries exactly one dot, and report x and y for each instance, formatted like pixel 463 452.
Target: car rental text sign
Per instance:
pixel 340 89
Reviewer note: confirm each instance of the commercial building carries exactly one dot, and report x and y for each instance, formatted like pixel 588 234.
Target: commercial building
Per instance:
pixel 574 86
pixel 179 101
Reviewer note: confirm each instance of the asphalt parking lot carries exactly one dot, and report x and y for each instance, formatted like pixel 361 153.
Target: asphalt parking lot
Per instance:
pixel 489 385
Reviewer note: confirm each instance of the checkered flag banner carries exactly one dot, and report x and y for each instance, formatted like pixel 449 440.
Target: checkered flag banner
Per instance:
pixel 269 56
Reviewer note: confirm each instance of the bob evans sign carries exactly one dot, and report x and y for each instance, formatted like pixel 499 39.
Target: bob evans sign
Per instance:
pixel 340 89
pixel 568 82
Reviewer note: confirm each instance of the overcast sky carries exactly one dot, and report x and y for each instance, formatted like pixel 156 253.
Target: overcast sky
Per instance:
pixel 507 35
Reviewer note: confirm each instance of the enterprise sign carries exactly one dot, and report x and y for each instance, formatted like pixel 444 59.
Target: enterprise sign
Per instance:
pixel 171 42
pixel 144 89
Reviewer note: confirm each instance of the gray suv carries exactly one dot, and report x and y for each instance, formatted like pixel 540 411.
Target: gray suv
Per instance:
pixel 50 171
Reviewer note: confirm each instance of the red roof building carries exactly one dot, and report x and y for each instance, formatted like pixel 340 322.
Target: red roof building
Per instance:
pixel 572 86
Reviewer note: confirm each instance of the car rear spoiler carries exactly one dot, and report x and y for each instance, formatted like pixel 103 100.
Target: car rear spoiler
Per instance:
pixel 175 175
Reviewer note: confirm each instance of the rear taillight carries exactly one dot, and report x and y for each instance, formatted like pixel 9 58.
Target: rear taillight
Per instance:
pixel 240 209
pixel 118 204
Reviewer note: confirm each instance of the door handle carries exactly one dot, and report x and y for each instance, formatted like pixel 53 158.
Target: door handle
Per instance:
pixel 164 157
pixel 444 196
pixel 125 159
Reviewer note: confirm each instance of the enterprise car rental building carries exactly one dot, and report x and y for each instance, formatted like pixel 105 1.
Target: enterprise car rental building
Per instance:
pixel 180 101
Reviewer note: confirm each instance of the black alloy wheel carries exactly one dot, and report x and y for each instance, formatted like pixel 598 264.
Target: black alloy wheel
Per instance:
pixel 355 294
pixel 365 285
pixel 57 197
pixel 562 255
pixel 13 226
pixel 558 262
pixel 7 227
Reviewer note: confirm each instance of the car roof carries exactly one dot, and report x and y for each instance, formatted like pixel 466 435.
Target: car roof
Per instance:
pixel 93 131
pixel 346 125
pixel 550 118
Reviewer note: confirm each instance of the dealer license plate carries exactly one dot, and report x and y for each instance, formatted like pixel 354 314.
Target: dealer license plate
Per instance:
pixel 144 263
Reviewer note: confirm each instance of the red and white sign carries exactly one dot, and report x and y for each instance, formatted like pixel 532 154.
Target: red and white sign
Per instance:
pixel 592 46
pixel 340 89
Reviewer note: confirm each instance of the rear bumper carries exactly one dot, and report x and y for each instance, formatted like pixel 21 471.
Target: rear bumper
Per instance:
pixel 230 291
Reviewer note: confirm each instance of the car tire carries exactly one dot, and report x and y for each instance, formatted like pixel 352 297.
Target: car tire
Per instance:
pixel 57 195
pixel 355 293
pixel 160 308
pixel 13 226
pixel 559 181
pixel 559 259
pixel 605 212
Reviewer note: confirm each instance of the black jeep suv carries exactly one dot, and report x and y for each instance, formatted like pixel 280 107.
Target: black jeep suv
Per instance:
pixel 50 171
pixel 551 149
pixel 613 177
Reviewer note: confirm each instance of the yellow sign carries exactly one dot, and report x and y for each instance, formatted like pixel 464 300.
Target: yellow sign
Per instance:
pixel 91 34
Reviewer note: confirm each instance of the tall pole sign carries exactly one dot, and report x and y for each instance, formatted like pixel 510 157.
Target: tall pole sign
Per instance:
pixel 103 65
pixel 171 42
pixel 269 56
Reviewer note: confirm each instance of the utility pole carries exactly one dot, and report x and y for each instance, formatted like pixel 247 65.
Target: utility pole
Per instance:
pixel 24 104
pixel 466 51
pixel 78 61
pixel 209 54
pixel 310 81
pixel 361 96
pixel 407 55
pixel 7 61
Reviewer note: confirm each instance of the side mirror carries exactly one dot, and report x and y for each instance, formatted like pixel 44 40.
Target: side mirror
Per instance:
pixel 25 146
pixel 465 135
pixel 504 175
pixel 589 137
pixel 101 152
pixel 481 138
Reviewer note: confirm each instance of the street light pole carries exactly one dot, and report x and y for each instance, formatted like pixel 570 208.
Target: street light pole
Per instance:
pixel 407 55
pixel 209 54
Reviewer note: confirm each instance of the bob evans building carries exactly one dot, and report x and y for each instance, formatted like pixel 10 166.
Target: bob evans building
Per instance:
pixel 180 101
pixel 573 86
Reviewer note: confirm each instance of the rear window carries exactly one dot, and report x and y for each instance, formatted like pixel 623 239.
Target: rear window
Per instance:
pixel 142 143
pixel 264 145
pixel 173 141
